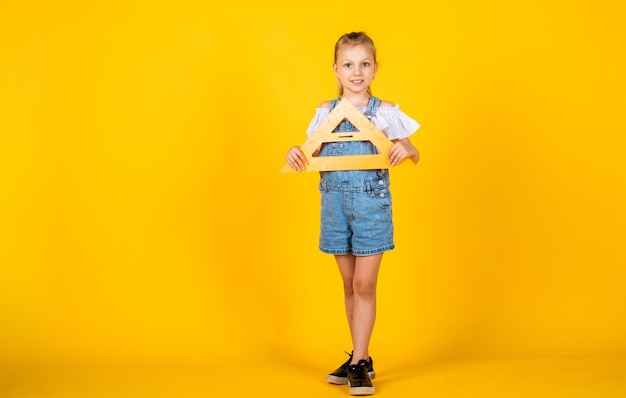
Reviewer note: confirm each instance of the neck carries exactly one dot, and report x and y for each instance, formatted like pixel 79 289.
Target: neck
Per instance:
pixel 359 100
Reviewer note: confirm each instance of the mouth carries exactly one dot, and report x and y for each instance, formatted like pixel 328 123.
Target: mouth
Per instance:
pixel 356 82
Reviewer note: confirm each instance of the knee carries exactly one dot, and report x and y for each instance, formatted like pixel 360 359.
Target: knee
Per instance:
pixel 364 288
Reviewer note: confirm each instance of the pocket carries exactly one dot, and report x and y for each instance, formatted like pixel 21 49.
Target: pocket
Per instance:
pixel 336 149
pixel 382 196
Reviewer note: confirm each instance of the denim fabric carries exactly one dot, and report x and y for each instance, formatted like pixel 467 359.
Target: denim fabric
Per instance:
pixel 356 212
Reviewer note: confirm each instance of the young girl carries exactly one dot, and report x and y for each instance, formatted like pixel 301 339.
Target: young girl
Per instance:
pixel 356 223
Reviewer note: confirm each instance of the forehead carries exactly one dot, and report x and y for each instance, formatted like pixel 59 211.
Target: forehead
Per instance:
pixel 354 51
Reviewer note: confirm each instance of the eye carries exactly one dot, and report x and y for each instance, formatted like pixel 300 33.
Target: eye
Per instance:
pixel 366 64
pixel 347 65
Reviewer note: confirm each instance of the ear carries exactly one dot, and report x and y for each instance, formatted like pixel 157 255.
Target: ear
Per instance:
pixel 336 70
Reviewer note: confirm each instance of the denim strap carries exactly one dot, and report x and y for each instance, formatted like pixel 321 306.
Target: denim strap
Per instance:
pixel 372 107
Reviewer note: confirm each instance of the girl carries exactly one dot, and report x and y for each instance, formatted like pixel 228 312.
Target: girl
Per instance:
pixel 356 223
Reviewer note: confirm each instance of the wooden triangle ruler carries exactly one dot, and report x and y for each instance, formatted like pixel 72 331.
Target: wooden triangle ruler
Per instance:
pixel 324 133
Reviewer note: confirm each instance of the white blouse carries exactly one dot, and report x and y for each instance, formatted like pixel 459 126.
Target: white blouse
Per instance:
pixel 394 123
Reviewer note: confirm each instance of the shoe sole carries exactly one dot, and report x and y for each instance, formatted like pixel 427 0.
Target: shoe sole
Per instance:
pixel 344 380
pixel 361 390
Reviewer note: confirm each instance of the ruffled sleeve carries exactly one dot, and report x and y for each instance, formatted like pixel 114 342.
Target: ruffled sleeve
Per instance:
pixel 394 123
pixel 320 114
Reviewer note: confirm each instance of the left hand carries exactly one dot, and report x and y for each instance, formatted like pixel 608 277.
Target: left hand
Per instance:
pixel 401 150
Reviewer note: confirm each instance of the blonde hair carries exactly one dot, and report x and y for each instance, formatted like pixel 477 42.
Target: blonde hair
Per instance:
pixel 353 39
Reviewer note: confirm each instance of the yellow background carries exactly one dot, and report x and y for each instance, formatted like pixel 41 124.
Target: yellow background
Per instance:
pixel 143 218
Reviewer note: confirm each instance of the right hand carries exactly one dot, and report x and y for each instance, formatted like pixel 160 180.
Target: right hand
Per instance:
pixel 296 159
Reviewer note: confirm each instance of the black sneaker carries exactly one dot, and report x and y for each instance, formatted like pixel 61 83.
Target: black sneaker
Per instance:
pixel 340 376
pixel 359 379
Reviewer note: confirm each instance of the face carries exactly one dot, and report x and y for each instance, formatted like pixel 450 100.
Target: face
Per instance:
pixel 355 68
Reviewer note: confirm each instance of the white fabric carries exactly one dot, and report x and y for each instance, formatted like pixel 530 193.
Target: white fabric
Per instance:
pixel 394 123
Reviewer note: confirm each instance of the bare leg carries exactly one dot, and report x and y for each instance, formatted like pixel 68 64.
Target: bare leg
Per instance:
pixel 360 275
pixel 346 268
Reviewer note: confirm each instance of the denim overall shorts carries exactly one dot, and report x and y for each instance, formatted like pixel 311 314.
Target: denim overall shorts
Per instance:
pixel 356 204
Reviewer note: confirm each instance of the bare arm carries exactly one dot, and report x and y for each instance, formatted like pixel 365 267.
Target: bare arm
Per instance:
pixel 295 158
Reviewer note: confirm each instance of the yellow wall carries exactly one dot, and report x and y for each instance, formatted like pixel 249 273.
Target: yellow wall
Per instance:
pixel 142 215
